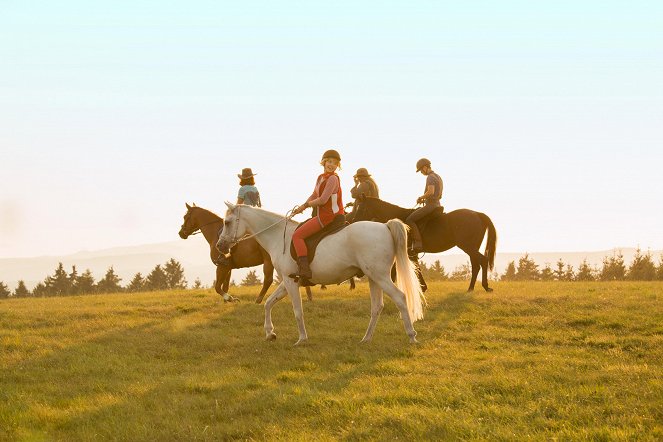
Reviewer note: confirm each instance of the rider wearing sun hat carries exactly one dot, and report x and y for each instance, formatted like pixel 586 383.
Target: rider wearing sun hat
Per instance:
pixel 248 194
pixel 430 199
pixel 327 203
pixel 364 185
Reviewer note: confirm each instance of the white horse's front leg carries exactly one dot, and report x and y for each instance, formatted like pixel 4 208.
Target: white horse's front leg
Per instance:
pixel 293 291
pixel 377 304
pixel 275 297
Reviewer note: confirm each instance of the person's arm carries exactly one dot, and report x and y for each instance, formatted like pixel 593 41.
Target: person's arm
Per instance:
pixel 240 200
pixel 306 205
pixel 332 186
pixel 240 196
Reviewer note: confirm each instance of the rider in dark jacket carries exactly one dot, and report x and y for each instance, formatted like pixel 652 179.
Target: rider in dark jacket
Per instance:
pixel 364 184
pixel 430 199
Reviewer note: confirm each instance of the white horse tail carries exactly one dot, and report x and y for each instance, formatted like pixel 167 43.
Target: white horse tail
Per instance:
pixel 406 276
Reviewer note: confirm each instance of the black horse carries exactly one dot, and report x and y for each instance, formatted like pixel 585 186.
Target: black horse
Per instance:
pixel 463 228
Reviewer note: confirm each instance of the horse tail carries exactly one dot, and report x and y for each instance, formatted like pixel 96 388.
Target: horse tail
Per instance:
pixel 406 276
pixel 491 244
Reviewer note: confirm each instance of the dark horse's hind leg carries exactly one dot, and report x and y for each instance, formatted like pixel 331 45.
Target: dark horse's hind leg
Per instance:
pixel 222 283
pixel 479 262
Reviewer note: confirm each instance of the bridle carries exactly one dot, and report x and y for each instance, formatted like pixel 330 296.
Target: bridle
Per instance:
pixel 236 241
pixel 198 230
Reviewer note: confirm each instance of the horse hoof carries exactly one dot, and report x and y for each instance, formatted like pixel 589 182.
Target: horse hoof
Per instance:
pixel 271 337
pixel 300 342
pixel 259 299
pixel 364 341
pixel 413 340
pixel 488 289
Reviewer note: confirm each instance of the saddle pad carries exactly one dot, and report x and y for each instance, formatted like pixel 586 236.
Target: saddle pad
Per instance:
pixel 312 241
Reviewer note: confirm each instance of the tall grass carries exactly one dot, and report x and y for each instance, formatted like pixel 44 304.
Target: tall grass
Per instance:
pixel 531 360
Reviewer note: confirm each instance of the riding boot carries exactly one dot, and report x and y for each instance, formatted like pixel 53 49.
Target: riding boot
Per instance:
pixel 417 246
pixel 304 272
pixel 223 260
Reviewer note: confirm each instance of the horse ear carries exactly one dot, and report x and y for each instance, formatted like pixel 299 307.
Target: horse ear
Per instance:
pixel 188 206
pixel 194 204
pixel 231 206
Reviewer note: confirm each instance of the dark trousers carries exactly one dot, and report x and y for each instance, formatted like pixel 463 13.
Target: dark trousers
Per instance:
pixel 420 213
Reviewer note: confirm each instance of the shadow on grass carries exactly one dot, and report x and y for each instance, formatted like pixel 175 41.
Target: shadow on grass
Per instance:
pixel 201 372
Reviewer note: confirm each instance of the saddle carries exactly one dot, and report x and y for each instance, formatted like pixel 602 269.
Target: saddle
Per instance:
pixel 312 241
pixel 436 215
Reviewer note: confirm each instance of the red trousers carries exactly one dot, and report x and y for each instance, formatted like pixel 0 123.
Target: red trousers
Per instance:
pixel 309 228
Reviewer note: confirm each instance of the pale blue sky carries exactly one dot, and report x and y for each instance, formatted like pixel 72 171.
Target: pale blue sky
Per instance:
pixel 547 116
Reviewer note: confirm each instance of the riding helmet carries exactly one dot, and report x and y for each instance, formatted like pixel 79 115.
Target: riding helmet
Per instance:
pixel 422 162
pixel 331 153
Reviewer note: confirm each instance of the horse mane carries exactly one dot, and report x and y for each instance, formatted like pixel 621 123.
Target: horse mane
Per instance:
pixel 291 221
pixel 208 212
pixel 384 203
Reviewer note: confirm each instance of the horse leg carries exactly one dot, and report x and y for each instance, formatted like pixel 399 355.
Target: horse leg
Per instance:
pixel 399 299
pixel 275 297
pixel 296 299
pixel 268 275
pixel 221 284
pixel 352 283
pixel 309 293
pixel 484 273
pixel 476 265
pixel 420 276
pixel 377 303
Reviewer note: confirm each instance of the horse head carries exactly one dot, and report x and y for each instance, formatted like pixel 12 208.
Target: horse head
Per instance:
pixel 361 210
pixel 233 229
pixel 190 223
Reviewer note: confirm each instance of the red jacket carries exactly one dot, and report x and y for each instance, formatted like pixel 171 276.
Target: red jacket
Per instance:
pixel 327 197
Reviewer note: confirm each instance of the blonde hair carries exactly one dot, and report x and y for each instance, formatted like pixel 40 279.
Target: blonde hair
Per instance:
pixel 338 162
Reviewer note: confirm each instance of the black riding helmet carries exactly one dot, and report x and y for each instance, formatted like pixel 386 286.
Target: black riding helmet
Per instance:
pixel 331 153
pixel 421 163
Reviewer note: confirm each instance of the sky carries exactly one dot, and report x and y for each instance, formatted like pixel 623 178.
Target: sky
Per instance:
pixel 547 116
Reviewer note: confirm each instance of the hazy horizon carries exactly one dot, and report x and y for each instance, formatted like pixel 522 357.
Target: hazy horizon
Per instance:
pixel 546 117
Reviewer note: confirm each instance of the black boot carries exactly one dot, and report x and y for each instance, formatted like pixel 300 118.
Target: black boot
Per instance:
pixel 417 246
pixel 304 272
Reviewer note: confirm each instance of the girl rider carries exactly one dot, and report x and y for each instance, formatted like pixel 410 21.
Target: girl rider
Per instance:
pixel 327 203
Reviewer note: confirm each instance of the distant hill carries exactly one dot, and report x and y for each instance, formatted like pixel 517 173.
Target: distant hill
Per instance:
pixel 193 253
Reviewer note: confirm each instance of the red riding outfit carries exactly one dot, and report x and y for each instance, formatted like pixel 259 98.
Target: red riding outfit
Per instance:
pixel 328 198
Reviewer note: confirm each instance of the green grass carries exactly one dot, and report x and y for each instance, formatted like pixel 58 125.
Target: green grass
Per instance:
pixel 531 360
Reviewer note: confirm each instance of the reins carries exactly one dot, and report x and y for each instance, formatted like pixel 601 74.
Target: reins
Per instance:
pixel 197 231
pixel 287 217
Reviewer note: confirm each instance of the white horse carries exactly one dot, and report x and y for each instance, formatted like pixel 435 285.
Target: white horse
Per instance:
pixel 367 246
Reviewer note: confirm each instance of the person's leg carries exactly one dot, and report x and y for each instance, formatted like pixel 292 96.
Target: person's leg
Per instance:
pixel 411 221
pixel 309 228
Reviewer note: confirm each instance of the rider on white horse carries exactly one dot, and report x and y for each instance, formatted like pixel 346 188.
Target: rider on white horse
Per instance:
pixel 327 201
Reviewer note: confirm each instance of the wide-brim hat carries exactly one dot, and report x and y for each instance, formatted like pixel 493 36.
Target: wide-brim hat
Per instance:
pixel 246 174
pixel 362 171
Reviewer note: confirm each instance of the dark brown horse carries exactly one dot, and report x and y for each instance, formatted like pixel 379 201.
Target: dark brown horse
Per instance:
pixel 463 228
pixel 245 254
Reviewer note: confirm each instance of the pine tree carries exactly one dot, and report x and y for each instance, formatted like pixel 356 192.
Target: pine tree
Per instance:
pixel 197 284
pixel 73 276
pixel 613 268
pixel 559 271
pixel 585 272
pixel 85 283
pixel 137 284
pixel 58 284
pixel 659 269
pixel 157 279
pixel 110 283
pixel 21 290
pixel 251 279
pixel 461 273
pixel 527 270
pixel 4 290
pixel 547 273
pixel 175 275
pixel 642 268
pixel 510 272
pixel 437 272
pixel 569 274
pixel 40 290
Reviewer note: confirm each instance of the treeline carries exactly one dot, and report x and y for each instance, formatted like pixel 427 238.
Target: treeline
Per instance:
pixel 63 283
pixel 613 268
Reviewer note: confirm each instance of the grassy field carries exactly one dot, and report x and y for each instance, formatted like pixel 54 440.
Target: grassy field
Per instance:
pixel 532 360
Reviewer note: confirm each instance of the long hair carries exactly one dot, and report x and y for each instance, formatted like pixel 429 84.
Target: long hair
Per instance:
pixel 247 181
pixel 375 186
pixel 322 162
